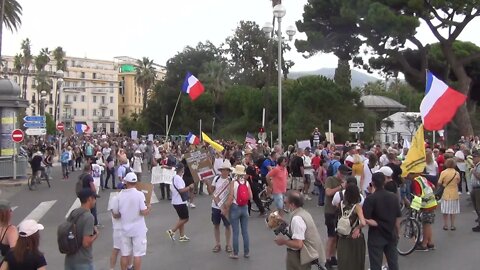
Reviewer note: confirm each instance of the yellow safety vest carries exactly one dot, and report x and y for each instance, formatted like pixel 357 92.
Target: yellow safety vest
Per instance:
pixel 429 197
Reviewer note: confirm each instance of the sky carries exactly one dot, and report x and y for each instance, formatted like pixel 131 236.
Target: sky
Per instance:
pixel 158 29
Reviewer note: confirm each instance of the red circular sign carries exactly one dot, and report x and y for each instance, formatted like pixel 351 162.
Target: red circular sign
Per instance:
pixel 60 127
pixel 17 135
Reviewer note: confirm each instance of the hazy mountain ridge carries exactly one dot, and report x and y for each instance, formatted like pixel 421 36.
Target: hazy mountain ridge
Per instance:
pixel 359 79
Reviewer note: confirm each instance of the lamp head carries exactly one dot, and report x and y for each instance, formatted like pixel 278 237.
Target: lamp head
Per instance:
pixel 291 31
pixel 279 11
pixel 267 28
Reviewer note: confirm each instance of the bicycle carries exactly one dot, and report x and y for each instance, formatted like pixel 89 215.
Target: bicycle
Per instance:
pixel 267 201
pixel 36 179
pixel 410 231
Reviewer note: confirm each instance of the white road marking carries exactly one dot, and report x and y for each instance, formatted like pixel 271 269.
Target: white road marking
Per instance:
pixel 40 210
pixel 76 204
pixel 14 207
pixel 154 198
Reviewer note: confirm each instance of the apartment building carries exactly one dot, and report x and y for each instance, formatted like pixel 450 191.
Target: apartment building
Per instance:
pixel 93 92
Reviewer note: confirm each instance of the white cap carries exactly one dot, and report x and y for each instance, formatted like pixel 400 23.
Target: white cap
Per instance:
pixel 131 177
pixel 450 150
pixel 387 171
pixel 138 152
pixel 29 227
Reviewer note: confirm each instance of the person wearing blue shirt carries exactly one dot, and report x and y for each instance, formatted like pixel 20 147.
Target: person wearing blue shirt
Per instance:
pixel 268 164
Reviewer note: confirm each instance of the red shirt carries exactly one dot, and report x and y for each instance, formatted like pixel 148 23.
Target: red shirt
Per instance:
pixel 279 179
pixel 316 162
pixel 440 160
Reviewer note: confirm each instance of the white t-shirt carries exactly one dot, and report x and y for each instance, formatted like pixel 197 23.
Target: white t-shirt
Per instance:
pixel 218 182
pixel 336 198
pixel 307 164
pixel 96 174
pixel 137 164
pixel 432 168
pixel 367 175
pixel 217 164
pixel 298 227
pixel 461 165
pixel 113 204
pixel 106 151
pixel 130 203
pixel 383 160
pixel 179 184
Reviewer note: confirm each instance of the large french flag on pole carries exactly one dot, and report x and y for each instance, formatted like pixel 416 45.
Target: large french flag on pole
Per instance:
pixel 81 128
pixel 192 86
pixel 440 103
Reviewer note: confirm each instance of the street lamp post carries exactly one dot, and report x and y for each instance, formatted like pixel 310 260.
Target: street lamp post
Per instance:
pixel 58 107
pixel 43 97
pixel 279 12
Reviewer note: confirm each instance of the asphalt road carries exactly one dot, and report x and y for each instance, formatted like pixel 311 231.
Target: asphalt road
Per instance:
pixel 455 249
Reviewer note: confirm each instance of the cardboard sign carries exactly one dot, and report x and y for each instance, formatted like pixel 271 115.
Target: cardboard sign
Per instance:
pixel 200 165
pixel 162 175
pixel 304 144
pixel 147 189
pixel 220 194
pixel 150 137
pixel 134 134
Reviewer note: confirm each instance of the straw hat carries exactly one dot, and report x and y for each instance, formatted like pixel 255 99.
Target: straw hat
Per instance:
pixel 226 165
pixel 239 170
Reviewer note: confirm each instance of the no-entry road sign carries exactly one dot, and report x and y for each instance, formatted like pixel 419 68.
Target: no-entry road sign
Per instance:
pixel 60 127
pixel 17 135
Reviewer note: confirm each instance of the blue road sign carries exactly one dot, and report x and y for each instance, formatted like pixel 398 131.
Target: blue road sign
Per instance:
pixel 34 125
pixel 34 118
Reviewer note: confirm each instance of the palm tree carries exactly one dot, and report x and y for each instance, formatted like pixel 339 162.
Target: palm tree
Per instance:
pixel 18 62
pixel 10 11
pixel 59 56
pixel 215 75
pixel 27 59
pixel 43 81
pixel 145 77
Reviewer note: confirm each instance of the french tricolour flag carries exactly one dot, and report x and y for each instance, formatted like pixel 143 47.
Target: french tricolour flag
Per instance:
pixel 81 128
pixel 192 139
pixel 440 103
pixel 192 86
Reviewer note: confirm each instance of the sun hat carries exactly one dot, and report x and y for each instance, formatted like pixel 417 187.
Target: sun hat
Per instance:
pixel 29 227
pixel 226 165
pixel 239 170
pixel 450 150
pixel 131 177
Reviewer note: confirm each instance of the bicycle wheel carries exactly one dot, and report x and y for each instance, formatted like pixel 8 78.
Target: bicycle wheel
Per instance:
pixel 409 236
pixel 32 183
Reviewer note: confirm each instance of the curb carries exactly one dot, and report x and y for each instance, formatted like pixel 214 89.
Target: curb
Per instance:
pixel 13 183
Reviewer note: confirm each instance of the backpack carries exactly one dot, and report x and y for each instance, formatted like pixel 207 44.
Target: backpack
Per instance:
pixel 243 196
pixel 127 170
pixel 331 169
pixel 79 184
pixel 67 236
pixel 64 158
pixel 344 227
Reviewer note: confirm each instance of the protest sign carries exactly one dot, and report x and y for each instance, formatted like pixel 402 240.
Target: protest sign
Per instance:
pixel 150 137
pixel 147 189
pixel 200 165
pixel 304 144
pixel 220 194
pixel 162 175
pixel 134 134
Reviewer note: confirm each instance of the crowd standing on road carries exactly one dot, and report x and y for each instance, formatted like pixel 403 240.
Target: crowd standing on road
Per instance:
pixel 358 185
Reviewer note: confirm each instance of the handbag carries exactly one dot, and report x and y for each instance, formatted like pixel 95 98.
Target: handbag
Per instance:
pixel 183 195
pixel 439 191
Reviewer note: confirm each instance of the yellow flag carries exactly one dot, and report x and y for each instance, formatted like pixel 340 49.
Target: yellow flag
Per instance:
pixel 213 144
pixel 415 160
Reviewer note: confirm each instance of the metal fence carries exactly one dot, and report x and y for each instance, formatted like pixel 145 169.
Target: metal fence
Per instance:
pixel 6 167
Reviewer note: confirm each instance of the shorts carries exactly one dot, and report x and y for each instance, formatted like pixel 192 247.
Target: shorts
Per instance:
pixel 188 181
pixel 136 246
pixel 278 201
pixel 297 183
pixel 331 223
pixel 427 217
pixel 117 238
pixel 182 210
pixel 217 217
pixel 308 178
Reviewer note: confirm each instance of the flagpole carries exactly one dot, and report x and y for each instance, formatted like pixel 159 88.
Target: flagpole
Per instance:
pixel 173 115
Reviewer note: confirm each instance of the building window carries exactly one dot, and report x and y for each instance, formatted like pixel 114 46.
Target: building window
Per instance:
pixel 103 99
pixel 111 112
pixel 67 98
pixel 111 100
pixel 94 112
pixel 82 84
pixel 83 112
pixel 15 78
pixel 94 75
pixel 123 110
pixel 94 99
pixel 123 99
pixel 82 75
pixel 112 127
pixel 74 112
pixel 50 98
pixel 33 98
pixel 74 98
pixel 83 98
pixel 50 110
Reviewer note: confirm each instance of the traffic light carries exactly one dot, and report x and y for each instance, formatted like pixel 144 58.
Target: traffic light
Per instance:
pixel 121 87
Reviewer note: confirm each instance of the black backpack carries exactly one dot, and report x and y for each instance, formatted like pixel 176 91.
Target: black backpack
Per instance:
pixel 68 238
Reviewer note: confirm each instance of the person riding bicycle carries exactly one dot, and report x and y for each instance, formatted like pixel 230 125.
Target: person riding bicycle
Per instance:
pixel 423 188
pixel 36 164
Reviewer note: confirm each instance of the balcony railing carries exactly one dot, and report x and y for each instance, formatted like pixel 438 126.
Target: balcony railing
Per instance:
pixel 68 117
pixel 103 105
pixel 67 103
pixel 104 118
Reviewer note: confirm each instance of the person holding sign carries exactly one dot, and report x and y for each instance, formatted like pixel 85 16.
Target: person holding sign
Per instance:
pixel 219 190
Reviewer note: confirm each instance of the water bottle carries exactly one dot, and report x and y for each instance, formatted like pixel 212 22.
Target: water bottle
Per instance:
pixel 71 236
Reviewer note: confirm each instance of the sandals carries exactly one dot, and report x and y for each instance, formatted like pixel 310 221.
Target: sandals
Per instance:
pixel 216 249
pixel 445 228
pixel 453 228
pixel 228 249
